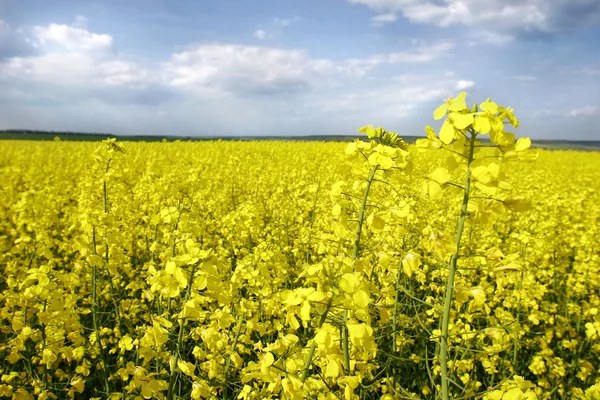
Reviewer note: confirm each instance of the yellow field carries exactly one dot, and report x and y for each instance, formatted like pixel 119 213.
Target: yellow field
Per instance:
pixel 213 269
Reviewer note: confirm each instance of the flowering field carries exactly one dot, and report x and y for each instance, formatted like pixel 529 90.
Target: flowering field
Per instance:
pixel 452 268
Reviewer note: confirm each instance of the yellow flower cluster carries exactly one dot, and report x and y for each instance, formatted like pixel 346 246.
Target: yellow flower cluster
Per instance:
pixel 290 270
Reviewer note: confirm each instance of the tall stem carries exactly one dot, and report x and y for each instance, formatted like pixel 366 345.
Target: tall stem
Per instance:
pixel 356 249
pixel 238 331
pixel 355 252
pixel 452 272
pixel 361 213
pixel 313 346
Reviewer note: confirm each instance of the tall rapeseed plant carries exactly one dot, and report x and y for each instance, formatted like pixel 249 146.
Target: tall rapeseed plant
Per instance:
pixel 482 188
pixel 379 159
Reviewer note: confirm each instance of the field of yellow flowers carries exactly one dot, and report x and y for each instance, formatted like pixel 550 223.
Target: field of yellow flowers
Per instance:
pixel 453 268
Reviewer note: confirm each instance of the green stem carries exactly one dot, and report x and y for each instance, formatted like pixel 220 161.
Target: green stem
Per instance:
pixel 345 345
pixel 451 273
pixel 355 252
pixel 170 394
pixel 313 346
pixel 361 213
pixel 238 330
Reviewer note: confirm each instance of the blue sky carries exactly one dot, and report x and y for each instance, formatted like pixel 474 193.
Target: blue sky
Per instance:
pixel 295 67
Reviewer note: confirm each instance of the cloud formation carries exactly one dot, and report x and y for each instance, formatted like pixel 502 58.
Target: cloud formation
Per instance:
pixel 262 35
pixel 12 43
pixel 297 75
pixel 72 63
pixel 586 111
pixel 77 67
pixel 274 28
pixel 71 38
pixel 257 70
pixel 500 18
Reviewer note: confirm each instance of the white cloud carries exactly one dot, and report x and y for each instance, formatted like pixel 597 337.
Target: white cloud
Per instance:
pixel 266 70
pixel 274 28
pixel 79 69
pixel 124 73
pixel 262 35
pixel 74 80
pixel 398 99
pixel 490 37
pixel 382 19
pixel 73 65
pixel 420 54
pixel 72 38
pixel 243 68
pixel 78 59
pixel 462 84
pixel 586 111
pixel 505 18
pixel 56 68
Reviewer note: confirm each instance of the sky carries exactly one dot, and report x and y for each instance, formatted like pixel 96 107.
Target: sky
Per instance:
pixel 296 67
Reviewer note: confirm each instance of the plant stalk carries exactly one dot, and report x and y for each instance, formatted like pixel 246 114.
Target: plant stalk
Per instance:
pixel 238 331
pixel 356 249
pixel 355 252
pixel 313 346
pixel 451 274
